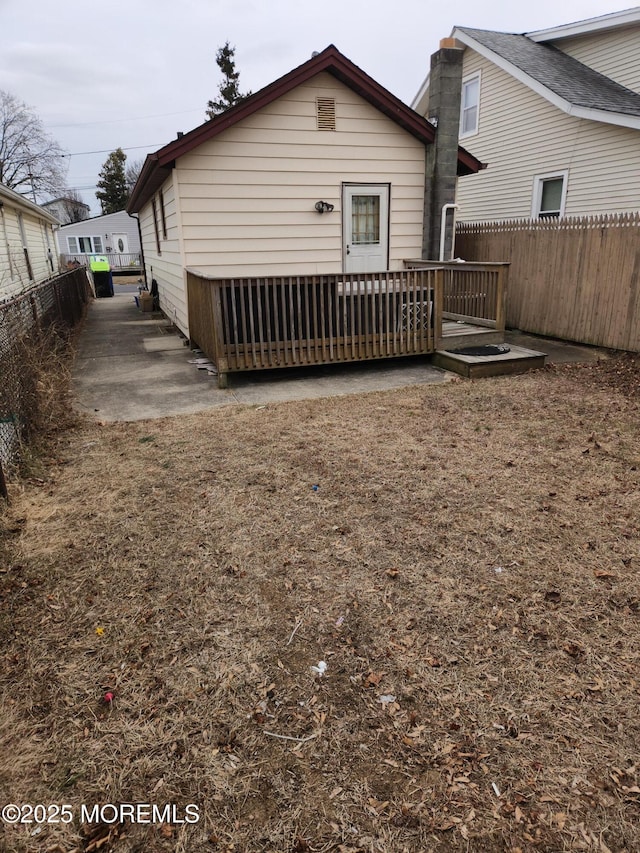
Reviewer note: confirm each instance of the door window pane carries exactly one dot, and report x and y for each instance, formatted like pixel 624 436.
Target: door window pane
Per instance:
pixel 365 219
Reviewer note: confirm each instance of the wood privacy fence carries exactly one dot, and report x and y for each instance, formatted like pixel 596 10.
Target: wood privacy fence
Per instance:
pixel 574 278
pixel 284 321
pixel 474 293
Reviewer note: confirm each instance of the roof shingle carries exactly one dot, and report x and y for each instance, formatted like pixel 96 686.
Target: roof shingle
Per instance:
pixel 560 73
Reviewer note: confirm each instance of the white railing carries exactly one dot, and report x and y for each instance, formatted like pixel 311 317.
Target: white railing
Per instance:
pixel 117 260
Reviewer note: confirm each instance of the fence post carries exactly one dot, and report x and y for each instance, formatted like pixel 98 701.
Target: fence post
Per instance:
pixel 3 484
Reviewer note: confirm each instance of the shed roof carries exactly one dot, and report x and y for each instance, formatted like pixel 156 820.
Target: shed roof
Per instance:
pixel 158 165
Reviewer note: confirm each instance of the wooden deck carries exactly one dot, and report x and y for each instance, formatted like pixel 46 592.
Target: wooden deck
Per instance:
pixel 285 321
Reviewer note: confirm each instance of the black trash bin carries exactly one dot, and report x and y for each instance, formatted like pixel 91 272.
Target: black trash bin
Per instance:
pixel 102 276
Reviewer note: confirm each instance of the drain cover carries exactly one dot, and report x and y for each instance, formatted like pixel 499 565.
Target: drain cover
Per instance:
pixel 488 349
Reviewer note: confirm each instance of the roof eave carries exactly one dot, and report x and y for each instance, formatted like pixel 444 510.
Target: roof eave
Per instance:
pixel 604 116
pixel 602 23
pixel 151 177
pixel 16 198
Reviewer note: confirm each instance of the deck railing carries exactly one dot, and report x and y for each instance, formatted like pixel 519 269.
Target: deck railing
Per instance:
pixel 472 292
pixel 285 321
pixel 119 261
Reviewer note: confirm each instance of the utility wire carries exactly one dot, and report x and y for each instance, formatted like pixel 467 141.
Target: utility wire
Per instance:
pixel 134 118
pixel 109 150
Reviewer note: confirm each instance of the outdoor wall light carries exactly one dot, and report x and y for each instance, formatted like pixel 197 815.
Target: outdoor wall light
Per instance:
pixel 324 207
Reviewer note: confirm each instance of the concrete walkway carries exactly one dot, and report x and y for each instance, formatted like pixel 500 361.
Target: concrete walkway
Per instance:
pixel 131 366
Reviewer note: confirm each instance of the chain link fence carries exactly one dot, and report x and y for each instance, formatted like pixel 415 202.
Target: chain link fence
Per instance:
pixel 35 328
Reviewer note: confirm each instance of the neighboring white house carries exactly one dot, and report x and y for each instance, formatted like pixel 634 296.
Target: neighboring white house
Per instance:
pixel 323 171
pixel 67 210
pixel 27 244
pixel 555 115
pixel 114 234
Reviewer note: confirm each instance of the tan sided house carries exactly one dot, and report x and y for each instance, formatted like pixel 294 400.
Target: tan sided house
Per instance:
pixel 278 231
pixel 27 244
pixel 555 114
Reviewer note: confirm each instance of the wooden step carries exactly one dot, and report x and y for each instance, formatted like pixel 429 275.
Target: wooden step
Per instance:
pixel 517 360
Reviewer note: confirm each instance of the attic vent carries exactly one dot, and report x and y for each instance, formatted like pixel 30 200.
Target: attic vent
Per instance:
pixel 326 113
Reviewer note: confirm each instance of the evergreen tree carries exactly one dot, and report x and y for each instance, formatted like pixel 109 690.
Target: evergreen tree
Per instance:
pixel 229 89
pixel 113 194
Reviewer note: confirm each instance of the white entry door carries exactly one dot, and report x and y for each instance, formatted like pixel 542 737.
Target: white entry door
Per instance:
pixel 366 227
pixel 120 243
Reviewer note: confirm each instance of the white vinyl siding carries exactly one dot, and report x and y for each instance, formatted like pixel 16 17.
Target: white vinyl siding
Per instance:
pixel 35 230
pixel 522 135
pixel 167 268
pixel 248 196
pixel 614 54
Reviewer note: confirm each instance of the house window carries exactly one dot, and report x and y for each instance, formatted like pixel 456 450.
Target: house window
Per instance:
pixel 85 245
pixel 470 105
pixel 549 195
pixel 154 212
pixel 163 215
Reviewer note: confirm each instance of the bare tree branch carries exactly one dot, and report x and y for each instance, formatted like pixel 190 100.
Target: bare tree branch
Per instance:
pixel 30 160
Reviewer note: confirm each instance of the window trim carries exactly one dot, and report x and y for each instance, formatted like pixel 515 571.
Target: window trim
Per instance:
pixel 536 198
pixel 12 271
pixel 470 78
pixel 162 214
pixel 154 213
pixel 25 247
pixel 78 251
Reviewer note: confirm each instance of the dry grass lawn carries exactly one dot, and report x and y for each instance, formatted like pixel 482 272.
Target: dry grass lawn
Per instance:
pixel 467 569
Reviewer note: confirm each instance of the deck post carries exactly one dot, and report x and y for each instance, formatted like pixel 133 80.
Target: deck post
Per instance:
pixel 218 329
pixel 438 296
pixel 501 298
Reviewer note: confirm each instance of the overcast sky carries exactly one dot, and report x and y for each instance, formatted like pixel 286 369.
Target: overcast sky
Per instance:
pixel 131 73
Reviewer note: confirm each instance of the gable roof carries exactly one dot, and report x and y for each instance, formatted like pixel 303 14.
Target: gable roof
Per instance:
pixel 93 220
pixel 561 79
pixel 74 201
pixel 157 166
pixel 576 85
